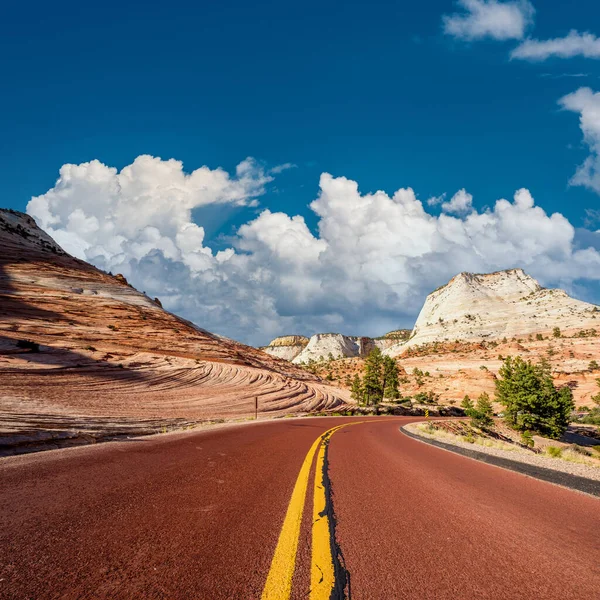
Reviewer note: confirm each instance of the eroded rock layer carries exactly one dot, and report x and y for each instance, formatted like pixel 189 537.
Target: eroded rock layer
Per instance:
pixel 82 350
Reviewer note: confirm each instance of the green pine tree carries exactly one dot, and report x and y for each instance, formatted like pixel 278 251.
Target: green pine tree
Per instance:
pixel 356 391
pixel 373 379
pixel 531 401
pixel 390 378
pixel 467 404
pixel 483 413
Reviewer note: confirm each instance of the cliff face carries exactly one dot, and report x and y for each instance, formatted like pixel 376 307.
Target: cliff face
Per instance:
pixel 79 344
pixel 494 306
pixel 300 349
pixel 286 347
pixel 339 346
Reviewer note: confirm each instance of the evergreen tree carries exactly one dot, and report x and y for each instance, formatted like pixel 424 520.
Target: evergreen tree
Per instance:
pixel 390 378
pixel 483 413
pixel 373 379
pixel 596 399
pixel 356 391
pixel 531 401
pixel 467 404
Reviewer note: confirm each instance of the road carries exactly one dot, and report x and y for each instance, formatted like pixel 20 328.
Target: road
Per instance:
pixel 239 513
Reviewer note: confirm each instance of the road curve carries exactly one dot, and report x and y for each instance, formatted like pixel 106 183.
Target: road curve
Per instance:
pixel 201 514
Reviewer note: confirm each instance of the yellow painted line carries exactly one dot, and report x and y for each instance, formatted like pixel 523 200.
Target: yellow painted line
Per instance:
pixel 322 575
pixel 279 580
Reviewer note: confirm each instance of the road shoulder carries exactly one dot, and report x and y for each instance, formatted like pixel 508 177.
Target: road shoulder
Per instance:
pixel 574 482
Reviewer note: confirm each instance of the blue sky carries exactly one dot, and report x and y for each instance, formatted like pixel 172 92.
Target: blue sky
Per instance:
pixel 374 92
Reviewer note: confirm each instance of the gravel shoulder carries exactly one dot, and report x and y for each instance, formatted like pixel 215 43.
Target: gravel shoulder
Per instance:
pixel 538 463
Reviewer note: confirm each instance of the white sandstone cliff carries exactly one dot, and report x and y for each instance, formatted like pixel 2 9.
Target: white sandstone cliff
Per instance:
pixel 494 306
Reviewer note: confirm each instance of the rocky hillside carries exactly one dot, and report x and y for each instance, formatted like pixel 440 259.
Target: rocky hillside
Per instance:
pixel 81 350
pixel 320 346
pixel 495 306
pixel 464 331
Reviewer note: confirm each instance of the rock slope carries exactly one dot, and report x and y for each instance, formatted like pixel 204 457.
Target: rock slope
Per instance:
pixel 81 350
pixel 494 306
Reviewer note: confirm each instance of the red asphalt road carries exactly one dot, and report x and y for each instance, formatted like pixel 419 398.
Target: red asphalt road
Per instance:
pixel 197 515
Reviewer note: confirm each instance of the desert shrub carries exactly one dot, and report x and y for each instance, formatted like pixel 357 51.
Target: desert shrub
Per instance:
pixel 593 366
pixel 592 418
pixel 527 439
pixel 553 451
pixel 580 450
pixel 556 332
pixel 539 337
pixel 426 398
pixel 596 398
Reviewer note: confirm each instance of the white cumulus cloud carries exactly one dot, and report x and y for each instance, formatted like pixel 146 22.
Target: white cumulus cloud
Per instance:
pixel 574 44
pixel 365 270
pixel 489 19
pixel 586 103
pixel 461 203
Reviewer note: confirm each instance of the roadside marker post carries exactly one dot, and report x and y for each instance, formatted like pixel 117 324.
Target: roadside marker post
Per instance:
pixel 255 408
pixel 427 413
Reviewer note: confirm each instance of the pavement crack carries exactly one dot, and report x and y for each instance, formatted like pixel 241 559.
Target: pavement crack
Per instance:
pixel 341 588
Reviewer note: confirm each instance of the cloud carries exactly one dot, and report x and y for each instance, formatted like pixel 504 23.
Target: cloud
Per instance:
pixel 436 200
pixel 460 204
pixel 563 75
pixel 592 217
pixel 574 44
pixel 489 19
pixel 366 269
pixel 587 103
pixel 281 168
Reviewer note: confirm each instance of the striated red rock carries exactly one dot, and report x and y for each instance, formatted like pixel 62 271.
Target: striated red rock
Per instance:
pixel 111 359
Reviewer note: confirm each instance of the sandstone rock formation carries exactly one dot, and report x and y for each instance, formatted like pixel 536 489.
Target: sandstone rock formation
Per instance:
pixel 464 331
pixel 83 351
pixel 494 306
pixel 286 347
pixel 320 346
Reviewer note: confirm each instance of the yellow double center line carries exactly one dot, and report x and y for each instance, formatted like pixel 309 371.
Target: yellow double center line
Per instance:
pixel 279 580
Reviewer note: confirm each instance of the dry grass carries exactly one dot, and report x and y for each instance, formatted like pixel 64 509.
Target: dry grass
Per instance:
pixel 571 455
pixel 473 438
